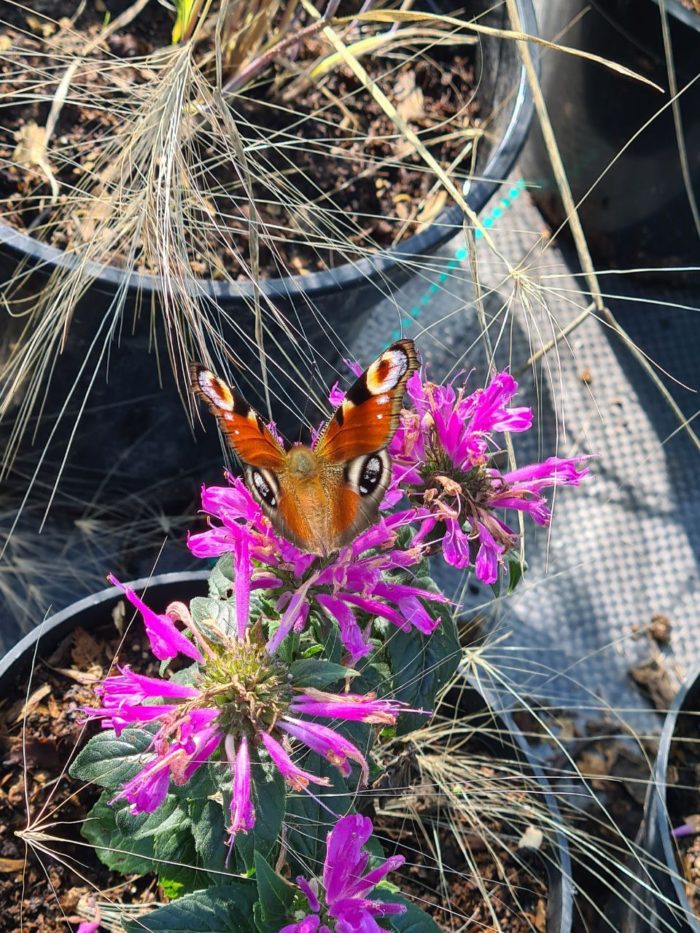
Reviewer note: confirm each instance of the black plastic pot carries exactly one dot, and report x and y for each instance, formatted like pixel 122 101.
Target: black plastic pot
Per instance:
pixel 92 612
pixel 672 912
pixel 638 214
pixel 95 611
pixel 135 428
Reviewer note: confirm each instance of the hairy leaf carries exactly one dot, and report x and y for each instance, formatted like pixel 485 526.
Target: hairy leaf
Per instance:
pixel 222 909
pixel 314 672
pixel 421 665
pixel 276 897
pixel 110 761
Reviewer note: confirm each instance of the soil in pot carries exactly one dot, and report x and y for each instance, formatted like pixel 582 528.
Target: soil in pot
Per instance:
pixel 489 876
pixel 346 159
pixel 40 730
pixel 683 798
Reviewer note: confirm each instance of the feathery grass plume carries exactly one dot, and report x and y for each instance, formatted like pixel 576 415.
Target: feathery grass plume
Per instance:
pixel 175 179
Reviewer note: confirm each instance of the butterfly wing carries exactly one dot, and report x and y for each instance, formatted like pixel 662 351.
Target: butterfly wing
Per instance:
pixel 240 424
pixel 356 437
pixel 368 417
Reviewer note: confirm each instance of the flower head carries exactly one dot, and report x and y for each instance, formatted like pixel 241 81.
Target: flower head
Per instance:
pixel 240 700
pixel 339 902
pixel 356 579
pixel 442 460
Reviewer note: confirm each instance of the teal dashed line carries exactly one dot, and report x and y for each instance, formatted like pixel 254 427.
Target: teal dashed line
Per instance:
pixel 460 255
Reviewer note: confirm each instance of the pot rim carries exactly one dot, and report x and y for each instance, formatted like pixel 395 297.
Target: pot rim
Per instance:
pixel 14 657
pixel 559 873
pixel 476 192
pixel 659 793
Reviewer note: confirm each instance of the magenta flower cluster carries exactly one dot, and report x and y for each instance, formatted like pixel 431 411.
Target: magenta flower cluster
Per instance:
pixel 356 579
pixel 341 895
pixel 193 718
pixel 442 459
pixel 238 700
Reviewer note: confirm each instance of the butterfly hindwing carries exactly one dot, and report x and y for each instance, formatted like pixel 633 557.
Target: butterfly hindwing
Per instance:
pixel 241 425
pixel 368 417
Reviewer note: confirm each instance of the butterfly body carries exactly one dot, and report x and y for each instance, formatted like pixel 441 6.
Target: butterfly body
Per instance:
pixel 320 496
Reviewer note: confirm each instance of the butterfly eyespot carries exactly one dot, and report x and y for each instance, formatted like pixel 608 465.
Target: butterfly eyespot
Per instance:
pixel 370 475
pixel 263 487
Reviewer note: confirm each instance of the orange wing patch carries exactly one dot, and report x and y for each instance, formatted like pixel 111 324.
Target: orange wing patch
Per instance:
pixel 367 419
pixel 240 424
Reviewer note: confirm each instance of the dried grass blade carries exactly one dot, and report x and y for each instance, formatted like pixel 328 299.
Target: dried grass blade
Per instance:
pixel 405 16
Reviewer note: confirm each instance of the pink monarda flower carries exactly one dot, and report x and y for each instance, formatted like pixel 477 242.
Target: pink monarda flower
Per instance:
pixel 355 578
pixel 339 903
pixel 441 455
pixel 241 701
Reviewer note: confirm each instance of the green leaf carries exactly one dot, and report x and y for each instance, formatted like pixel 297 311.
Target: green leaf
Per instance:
pixel 209 834
pixel 177 860
pixel 421 665
pixel 276 897
pixel 167 817
pixel 414 920
pixel 314 672
pixel 269 799
pixel 212 616
pixel 222 909
pixel 110 761
pixel 516 568
pixel 117 851
pixel 172 889
pixel 221 578
pixel 308 822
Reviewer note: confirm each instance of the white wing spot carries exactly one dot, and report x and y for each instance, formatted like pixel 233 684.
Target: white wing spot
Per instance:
pixel 398 364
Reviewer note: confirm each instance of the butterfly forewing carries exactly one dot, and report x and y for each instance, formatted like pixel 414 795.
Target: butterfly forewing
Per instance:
pixel 240 424
pixel 369 415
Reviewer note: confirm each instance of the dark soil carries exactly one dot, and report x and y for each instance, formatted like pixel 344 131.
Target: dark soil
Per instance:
pixel 39 735
pixel 501 885
pixel 349 159
pixel 684 796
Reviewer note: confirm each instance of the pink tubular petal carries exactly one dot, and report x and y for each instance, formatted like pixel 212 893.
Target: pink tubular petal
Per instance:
pixel 136 688
pixel 374 607
pixel 243 571
pixel 127 716
pixel 296 610
pixel 345 859
pixel 166 640
pixel 88 927
pixel 555 471
pixel 309 890
pixel 294 776
pixel 455 544
pixel 328 743
pixel 211 543
pixel 309 924
pixel 242 809
pixel 349 706
pixel 536 508
pixel 487 558
pixel 415 613
pixel 372 878
pixel 350 632
pixel 147 790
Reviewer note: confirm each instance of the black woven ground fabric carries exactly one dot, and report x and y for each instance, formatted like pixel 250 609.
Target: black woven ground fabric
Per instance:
pixel 623 546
